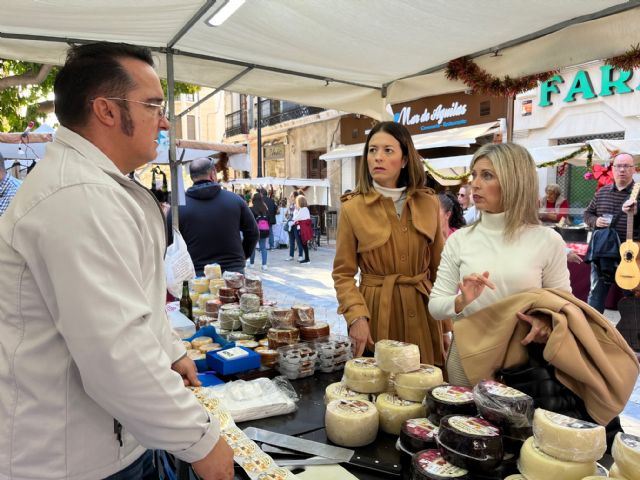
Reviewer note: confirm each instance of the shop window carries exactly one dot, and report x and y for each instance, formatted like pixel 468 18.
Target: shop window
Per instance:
pixel 485 108
pixel 316 168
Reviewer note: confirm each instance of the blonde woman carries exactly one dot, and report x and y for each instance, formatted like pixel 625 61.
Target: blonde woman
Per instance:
pixel 389 232
pixel 506 252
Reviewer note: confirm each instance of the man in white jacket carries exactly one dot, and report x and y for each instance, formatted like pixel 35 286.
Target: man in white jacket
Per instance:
pixel 90 374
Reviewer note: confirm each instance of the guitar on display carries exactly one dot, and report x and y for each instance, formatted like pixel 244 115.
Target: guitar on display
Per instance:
pixel 628 273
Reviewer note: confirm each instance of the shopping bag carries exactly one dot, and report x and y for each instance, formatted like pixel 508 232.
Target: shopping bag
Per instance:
pixel 178 265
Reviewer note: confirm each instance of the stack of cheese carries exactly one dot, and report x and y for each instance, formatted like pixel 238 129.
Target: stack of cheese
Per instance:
pixel 561 447
pixel 626 455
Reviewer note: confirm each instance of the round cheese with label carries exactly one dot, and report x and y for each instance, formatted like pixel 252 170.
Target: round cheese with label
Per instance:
pixel 445 399
pixel 506 407
pixel 418 434
pixel 414 385
pixel 339 391
pixel 394 411
pixel 351 423
pixel 567 438
pixel 363 375
pixel 397 357
pixel 430 465
pixel 470 442
pixel 534 464
pixel 626 453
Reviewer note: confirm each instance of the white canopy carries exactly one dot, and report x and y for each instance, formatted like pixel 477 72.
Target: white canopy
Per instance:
pixel 453 137
pixel 291 182
pixel 352 55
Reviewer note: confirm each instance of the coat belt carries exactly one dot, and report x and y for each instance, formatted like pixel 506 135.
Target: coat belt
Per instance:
pixel 420 282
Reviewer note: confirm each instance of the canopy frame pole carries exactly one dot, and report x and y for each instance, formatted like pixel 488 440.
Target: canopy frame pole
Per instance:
pixel 173 164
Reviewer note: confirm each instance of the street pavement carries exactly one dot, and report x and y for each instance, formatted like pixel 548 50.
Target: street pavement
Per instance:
pixel 289 283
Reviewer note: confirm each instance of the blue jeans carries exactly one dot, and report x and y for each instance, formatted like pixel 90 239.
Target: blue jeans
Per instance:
pixel 262 242
pixel 599 289
pixel 271 239
pixel 294 237
pixel 142 469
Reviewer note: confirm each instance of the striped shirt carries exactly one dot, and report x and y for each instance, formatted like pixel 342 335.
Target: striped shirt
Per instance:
pixel 609 200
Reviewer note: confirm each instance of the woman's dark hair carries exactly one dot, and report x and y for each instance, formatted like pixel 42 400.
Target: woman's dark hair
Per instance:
pixel 257 204
pixel 90 71
pixel 412 176
pixel 450 203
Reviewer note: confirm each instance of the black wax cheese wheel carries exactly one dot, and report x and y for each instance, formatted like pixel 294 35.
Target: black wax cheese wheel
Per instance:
pixel 469 442
pixel 405 460
pixel 508 466
pixel 506 407
pixel 445 399
pixel 430 465
pixel 418 434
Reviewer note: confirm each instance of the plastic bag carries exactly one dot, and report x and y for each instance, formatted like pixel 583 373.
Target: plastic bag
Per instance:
pixel 178 265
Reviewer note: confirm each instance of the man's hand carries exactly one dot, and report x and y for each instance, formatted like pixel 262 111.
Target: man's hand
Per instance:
pixel 629 205
pixel 602 222
pixel 187 369
pixel 573 257
pixel 360 335
pixel 218 464
pixel 540 328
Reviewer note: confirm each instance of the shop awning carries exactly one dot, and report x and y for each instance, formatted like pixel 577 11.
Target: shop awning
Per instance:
pixel 287 182
pixel 453 137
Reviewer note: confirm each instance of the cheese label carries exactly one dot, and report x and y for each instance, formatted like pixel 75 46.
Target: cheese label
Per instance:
pixel 344 391
pixel 431 461
pixel 428 369
pixel 631 441
pixel 395 400
pixel 453 394
pixel 354 406
pixel 232 353
pixel 473 426
pixel 501 390
pixel 258 464
pixel 365 362
pixel 277 474
pixel 569 422
pixel 422 428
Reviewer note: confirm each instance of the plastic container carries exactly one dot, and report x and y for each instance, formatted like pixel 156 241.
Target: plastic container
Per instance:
pixel 225 363
pixel 282 318
pixel 233 279
pixel 304 315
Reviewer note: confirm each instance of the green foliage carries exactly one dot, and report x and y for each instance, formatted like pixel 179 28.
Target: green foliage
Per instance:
pixel 179 88
pixel 19 105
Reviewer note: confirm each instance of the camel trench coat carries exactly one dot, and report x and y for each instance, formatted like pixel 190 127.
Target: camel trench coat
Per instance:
pixel 398 259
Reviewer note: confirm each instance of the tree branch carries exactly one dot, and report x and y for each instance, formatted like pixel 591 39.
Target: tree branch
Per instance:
pixel 25 79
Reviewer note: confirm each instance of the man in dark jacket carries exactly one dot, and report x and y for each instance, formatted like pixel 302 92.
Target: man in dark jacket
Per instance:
pixel 213 220
pixel 272 212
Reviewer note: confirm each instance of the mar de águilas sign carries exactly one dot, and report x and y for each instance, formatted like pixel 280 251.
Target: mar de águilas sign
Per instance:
pixel 612 82
pixel 440 116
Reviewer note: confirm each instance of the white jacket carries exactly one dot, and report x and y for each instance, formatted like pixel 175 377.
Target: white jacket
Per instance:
pixel 84 338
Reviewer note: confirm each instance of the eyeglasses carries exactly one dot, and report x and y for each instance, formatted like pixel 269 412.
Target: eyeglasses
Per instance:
pixel 623 167
pixel 161 108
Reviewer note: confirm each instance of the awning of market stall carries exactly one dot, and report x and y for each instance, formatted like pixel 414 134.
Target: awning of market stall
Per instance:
pixel 315 197
pixel 453 137
pixel 325 53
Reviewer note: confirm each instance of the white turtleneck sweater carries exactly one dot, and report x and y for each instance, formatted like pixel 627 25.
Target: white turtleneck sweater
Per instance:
pixel 534 259
pixel 398 195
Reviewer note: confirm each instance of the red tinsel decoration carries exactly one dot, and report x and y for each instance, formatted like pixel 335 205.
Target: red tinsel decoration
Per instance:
pixel 480 81
pixel 628 60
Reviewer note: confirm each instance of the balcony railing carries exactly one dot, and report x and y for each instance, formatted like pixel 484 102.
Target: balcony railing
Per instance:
pixel 234 124
pixel 298 112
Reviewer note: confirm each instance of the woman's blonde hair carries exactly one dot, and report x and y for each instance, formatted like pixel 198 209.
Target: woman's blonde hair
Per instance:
pixel 411 176
pixel 301 201
pixel 516 172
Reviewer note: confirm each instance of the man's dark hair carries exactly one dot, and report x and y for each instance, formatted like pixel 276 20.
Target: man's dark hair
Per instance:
pixel 93 70
pixel 200 168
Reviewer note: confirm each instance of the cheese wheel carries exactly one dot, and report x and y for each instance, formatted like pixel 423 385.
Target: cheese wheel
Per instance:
pixel 418 434
pixel 397 357
pixel 186 344
pixel 394 411
pixel 567 438
pixel 534 464
pixel 517 476
pixel 505 407
pixel 470 442
pixel 414 385
pixel 445 399
pixel 626 453
pixel 351 423
pixel 199 341
pixel 614 472
pixel 339 391
pixel 363 375
pixel 429 465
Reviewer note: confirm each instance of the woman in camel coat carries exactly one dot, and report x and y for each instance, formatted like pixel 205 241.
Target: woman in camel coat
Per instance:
pixel 389 230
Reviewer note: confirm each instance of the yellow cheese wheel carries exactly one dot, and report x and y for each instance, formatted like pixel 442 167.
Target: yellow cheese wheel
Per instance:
pixel 517 476
pixel 199 341
pixel 351 423
pixel 394 411
pixel 567 438
pixel 626 453
pixel 200 285
pixel 364 376
pixel 339 391
pixel 534 464
pixel 397 357
pixel 414 385
pixel 186 344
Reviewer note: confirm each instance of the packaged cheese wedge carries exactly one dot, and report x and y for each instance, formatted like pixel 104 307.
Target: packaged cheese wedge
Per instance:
pixel 626 453
pixel 535 464
pixel 567 438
